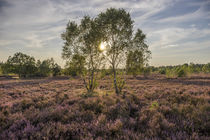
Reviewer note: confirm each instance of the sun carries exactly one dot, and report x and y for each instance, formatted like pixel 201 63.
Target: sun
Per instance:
pixel 102 46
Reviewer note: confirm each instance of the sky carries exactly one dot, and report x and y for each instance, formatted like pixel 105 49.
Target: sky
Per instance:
pixel 177 31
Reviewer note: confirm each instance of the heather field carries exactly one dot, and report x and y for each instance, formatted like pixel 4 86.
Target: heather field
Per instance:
pixel 148 108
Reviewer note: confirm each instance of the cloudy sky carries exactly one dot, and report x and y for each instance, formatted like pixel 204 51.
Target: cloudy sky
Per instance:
pixel 178 31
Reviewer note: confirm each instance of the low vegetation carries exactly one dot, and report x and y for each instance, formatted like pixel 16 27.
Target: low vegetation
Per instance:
pixel 150 108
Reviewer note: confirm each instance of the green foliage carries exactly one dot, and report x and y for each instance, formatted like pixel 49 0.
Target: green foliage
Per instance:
pixel 81 50
pixel 21 64
pixel 206 68
pixel 47 67
pixel 6 68
pixel 1 64
pixel 170 73
pixel 162 71
pixel 138 56
pixel 105 72
pixel 76 66
pixel 116 26
pixel 26 66
pixel 117 29
pixel 195 68
pixel 183 70
pixel 56 70
pixel 154 105
pixel 120 82
pixel 44 68
pixel 146 71
pixel 134 62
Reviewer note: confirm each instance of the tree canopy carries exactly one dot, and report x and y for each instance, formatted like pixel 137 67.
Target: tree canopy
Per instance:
pixel 81 42
pixel 114 28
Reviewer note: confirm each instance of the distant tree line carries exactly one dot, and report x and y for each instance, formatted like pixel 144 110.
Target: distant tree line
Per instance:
pixel 182 70
pixel 26 66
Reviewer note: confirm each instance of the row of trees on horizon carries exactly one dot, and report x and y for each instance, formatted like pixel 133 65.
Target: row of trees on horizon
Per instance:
pixel 26 66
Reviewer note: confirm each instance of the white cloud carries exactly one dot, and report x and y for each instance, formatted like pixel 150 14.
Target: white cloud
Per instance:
pixel 175 37
pixel 192 25
pixel 4 43
pixel 37 24
pixel 200 13
pixel 170 46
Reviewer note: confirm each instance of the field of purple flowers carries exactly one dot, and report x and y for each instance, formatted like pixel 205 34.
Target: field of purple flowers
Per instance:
pixel 149 108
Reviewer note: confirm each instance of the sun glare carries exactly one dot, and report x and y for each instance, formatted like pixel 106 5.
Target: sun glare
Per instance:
pixel 102 46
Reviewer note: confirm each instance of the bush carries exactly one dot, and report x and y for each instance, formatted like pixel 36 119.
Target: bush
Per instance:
pixel 76 67
pixel 47 68
pixel 181 72
pixel 105 72
pixel 170 73
pixel 206 68
pixel 162 71
pixel 146 71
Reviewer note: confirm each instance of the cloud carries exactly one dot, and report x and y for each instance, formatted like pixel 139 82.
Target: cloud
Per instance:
pixel 176 37
pixel 35 26
pixel 192 25
pixel 170 46
pixel 201 13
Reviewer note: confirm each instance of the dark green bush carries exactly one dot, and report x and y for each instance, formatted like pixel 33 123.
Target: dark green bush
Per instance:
pixel 181 73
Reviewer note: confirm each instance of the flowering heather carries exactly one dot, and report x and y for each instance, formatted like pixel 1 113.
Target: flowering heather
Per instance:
pixel 149 108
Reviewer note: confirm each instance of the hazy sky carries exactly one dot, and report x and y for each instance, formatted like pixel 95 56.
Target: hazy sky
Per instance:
pixel 178 31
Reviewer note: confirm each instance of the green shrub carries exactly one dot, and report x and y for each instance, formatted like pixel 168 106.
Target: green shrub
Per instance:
pixel 206 68
pixel 170 73
pixel 162 71
pixel 146 71
pixel 105 72
pixel 181 73
pixel 154 105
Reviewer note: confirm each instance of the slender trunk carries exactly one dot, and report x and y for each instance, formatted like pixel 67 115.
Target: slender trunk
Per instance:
pixel 85 83
pixel 115 81
pixel 113 66
pixel 91 84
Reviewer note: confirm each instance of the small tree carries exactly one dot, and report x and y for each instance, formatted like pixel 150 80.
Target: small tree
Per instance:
pixel 21 64
pixel 117 28
pixel 46 67
pixel 56 69
pixel 139 55
pixel 76 66
pixel 134 62
pixel 83 40
pixel 116 25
